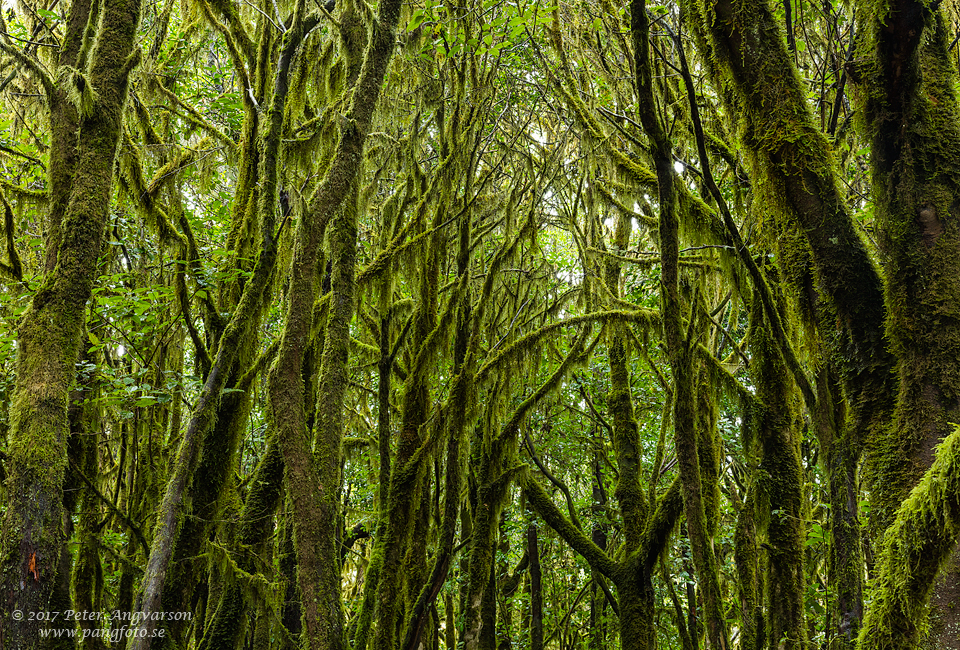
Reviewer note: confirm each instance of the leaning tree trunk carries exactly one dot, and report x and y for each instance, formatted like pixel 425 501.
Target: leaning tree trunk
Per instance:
pixel 171 510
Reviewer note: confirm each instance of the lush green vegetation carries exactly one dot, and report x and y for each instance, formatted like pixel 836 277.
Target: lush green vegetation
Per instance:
pixel 500 324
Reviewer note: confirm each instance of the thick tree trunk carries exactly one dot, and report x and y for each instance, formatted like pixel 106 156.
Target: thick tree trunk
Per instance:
pixel 916 546
pixel 912 120
pixel 637 610
pixel 49 344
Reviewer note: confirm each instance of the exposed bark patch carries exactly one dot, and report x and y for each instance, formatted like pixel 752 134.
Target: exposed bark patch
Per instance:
pixel 930 399
pixel 930 225
pixel 945 622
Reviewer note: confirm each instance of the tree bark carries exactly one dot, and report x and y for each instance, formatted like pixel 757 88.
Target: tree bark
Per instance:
pixel 536 590
pixel 912 121
pixel 795 170
pixel 680 348
pixel 171 510
pixel 313 476
pixel 916 546
pixel 780 480
pixel 49 341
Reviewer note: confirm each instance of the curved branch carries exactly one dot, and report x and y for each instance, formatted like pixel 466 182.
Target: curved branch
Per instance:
pixel 544 506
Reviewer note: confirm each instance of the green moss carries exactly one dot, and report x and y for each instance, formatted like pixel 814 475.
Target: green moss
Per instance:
pixel 922 536
pixel 708 449
pixel 746 557
pixel 910 115
pixel 780 484
pixel 49 338
pixel 795 174
pixel 916 178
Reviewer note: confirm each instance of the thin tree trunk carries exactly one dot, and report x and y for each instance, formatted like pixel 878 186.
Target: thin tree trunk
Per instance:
pixel 536 590
pixel 598 602
pixel 680 348
pixel 87 578
pixel 781 481
pixel 746 556
pixel 256 521
pixel 313 478
pixel 171 508
pixel 841 459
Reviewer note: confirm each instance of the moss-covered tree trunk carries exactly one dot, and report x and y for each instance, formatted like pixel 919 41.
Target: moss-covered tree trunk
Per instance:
pixel 780 481
pixel 797 176
pixel 913 113
pixel 795 172
pixel 913 122
pixel 680 347
pixel 202 421
pixel 841 464
pixel 49 336
pixel 633 576
pixel 746 557
pixel 461 399
pixel 921 538
pixel 65 121
pixel 225 631
pixel 599 534
pixel 206 495
pixel 536 590
pixel 495 457
pixel 492 461
pixel 313 475
pixel 411 458
pixel 87 578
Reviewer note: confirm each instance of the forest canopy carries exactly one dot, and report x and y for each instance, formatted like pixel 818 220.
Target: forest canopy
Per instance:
pixel 493 325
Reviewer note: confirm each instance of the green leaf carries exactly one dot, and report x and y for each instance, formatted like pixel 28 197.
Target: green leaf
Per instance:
pixel 416 20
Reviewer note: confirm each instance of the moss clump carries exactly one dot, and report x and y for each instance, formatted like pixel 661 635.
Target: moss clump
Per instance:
pixel 923 535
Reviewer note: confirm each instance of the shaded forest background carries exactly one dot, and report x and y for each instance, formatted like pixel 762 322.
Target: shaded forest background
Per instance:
pixel 493 324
